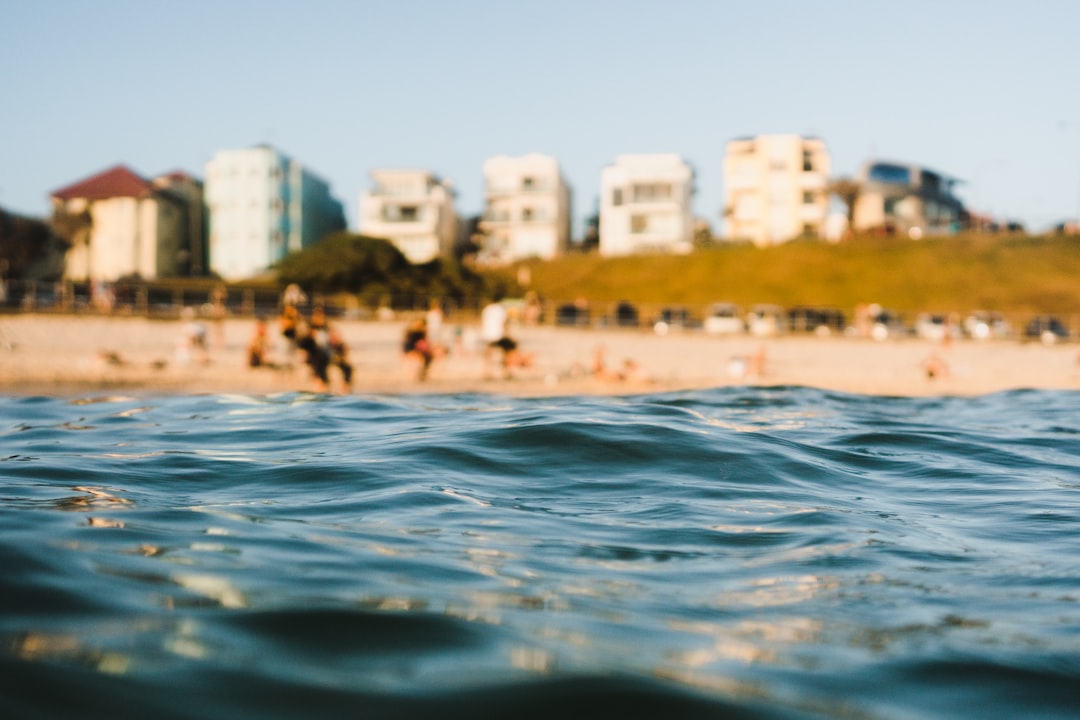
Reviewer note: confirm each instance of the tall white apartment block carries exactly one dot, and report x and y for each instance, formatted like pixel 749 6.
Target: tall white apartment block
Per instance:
pixel 527 210
pixel 775 188
pixel 414 210
pixel 262 206
pixel 646 205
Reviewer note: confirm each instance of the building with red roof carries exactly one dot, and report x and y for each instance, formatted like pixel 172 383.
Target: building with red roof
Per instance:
pixel 121 224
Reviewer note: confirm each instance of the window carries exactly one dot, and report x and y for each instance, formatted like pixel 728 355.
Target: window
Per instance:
pixel 639 224
pixel 401 213
pixel 527 215
pixel 528 183
pixel 652 192
pixel 808 198
pixel 616 197
pixel 807 161
pixel 891 174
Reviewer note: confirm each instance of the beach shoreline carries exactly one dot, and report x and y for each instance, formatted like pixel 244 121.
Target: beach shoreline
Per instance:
pixel 64 355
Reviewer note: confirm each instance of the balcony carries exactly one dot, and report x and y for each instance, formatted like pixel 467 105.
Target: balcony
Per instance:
pixel 501 189
pixel 503 219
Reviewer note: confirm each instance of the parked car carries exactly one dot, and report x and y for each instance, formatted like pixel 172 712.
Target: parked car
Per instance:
pixel 764 320
pixel 929 326
pixel 985 325
pixel 886 324
pixel 1047 329
pixel 723 319
pixel 626 315
pixel 821 321
pixel 572 314
pixel 675 317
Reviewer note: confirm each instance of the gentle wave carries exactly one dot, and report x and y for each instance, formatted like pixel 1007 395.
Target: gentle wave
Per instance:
pixel 747 552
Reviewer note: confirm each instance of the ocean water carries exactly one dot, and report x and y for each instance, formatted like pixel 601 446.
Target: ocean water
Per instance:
pixel 746 552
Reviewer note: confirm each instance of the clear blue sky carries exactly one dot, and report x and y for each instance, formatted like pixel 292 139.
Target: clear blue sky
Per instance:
pixel 984 90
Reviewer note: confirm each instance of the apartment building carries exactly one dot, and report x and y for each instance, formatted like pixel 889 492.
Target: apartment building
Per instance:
pixel 413 209
pixel 907 199
pixel 646 205
pixel 263 205
pixel 775 188
pixel 527 209
pixel 121 224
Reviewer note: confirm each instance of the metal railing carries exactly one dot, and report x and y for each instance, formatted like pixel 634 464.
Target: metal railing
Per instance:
pixel 168 299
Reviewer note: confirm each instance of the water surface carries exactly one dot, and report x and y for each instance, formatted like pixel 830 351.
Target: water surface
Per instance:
pixel 749 552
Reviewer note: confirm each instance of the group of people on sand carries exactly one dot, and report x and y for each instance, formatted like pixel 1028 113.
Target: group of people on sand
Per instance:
pixel 630 372
pixel 313 338
pixel 424 343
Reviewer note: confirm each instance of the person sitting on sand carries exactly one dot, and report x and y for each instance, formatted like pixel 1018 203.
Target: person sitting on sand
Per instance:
pixel 634 374
pixel 600 370
pixel 935 366
pixel 257 347
pixel 339 356
pixel 316 356
pixel 417 347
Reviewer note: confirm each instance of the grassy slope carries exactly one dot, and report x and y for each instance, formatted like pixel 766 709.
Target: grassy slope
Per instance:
pixel 1015 275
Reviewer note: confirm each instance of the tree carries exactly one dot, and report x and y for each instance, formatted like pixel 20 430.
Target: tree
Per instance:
pixel 375 268
pixel 703 236
pixel 29 249
pixel 344 262
pixel 591 241
pixel 848 191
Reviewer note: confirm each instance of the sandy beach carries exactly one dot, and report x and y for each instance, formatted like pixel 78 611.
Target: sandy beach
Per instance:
pixel 72 355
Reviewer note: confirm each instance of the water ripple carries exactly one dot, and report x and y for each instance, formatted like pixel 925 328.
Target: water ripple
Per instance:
pixel 758 552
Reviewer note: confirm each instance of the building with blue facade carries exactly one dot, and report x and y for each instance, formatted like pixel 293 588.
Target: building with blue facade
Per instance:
pixel 910 200
pixel 263 205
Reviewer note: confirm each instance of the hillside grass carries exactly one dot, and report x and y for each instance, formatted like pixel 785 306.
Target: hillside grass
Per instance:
pixel 956 274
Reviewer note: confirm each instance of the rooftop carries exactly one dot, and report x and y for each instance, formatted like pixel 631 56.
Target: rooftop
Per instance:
pixel 118 181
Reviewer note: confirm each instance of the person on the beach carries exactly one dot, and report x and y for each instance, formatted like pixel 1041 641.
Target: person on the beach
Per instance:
pixel 493 319
pixel 600 369
pixel 218 298
pixel 417 347
pixel 293 296
pixel 935 366
pixel 634 374
pixel 329 350
pixel 434 319
pixel 316 356
pixel 339 356
pixel 289 323
pixel 192 344
pixel 320 327
pixel 495 334
pixel 259 344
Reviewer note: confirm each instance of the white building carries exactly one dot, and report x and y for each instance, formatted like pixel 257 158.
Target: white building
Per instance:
pixel 262 206
pixel 126 226
pixel 646 205
pixel 775 188
pixel 414 210
pixel 527 210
